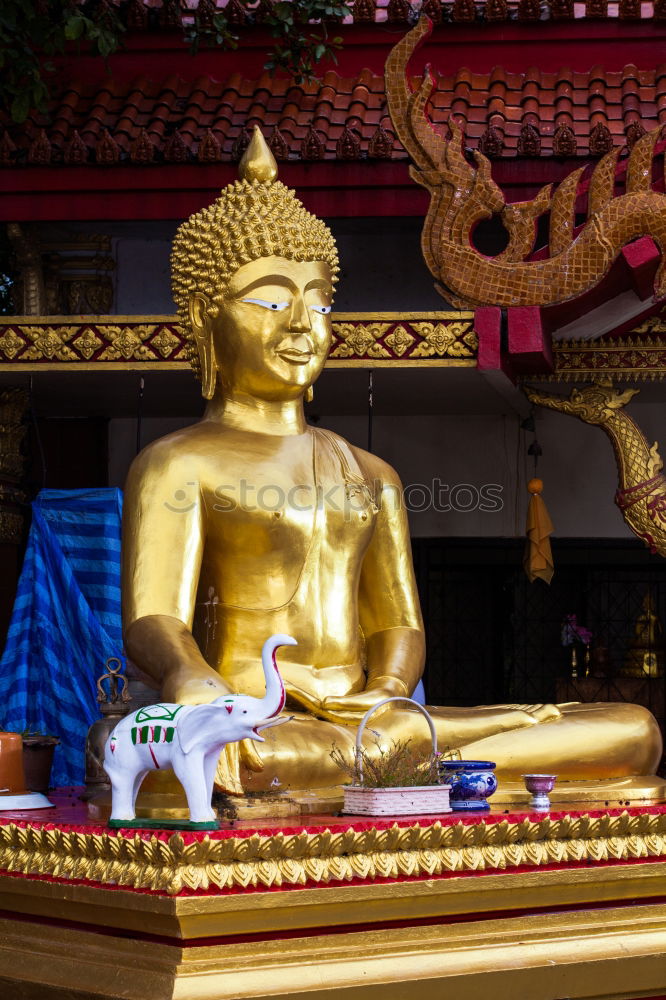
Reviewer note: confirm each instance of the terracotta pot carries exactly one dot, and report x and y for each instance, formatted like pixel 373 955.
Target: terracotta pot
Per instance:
pixel 38 753
pixel 12 777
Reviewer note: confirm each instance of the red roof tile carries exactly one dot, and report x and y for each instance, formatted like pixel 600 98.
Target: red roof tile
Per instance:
pixel 174 120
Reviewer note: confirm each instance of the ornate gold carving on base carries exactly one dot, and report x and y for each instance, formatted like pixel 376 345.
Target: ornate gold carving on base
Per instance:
pixel 320 858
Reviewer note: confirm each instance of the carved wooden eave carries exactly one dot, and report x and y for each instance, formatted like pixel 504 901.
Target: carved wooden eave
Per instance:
pixel 157 343
pixel 622 359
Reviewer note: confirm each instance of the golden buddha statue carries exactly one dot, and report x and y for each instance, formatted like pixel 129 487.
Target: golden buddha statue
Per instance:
pixel 645 656
pixel 250 522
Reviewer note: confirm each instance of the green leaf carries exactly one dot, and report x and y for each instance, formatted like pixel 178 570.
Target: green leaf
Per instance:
pixel 20 106
pixel 74 27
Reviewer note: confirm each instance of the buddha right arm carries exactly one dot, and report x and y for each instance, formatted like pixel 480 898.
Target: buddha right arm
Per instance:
pixel 165 649
pixel 163 535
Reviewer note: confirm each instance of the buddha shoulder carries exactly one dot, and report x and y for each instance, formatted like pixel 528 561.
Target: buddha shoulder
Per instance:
pixel 375 469
pixel 177 457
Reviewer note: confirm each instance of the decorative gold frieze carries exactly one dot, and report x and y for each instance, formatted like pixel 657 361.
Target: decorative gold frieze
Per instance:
pixel 155 340
pixel 172 864
pixel 359 340
pixel 88 343
pixel 128 343
pixel 443 335
pixel 11 344
pixel 50 343
pixel 635 357
pixel 399 340
pixel 454 340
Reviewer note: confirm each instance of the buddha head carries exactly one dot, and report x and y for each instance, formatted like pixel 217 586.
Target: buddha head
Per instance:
pixel 253 277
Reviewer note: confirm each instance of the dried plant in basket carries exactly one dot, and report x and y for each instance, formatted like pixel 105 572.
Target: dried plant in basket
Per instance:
pixel 398 765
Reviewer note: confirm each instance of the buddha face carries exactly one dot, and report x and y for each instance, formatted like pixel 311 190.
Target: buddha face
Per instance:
pixel 273 330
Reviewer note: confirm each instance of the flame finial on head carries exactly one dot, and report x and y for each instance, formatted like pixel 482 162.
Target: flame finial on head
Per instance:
pixel 257 162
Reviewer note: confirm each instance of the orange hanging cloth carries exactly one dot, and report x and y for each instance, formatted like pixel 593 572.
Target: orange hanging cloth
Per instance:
pixel 538 559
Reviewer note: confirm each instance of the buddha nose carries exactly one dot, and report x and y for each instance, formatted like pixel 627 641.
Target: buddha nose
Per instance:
pixel 299 317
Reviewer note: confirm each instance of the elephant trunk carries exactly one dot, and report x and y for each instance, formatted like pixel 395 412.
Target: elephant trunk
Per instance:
pixel 274 698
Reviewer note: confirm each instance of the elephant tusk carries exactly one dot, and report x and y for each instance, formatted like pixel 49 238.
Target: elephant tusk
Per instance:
pixel 274 722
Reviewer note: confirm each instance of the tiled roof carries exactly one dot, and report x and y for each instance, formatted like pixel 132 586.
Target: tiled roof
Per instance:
pixel 153 13
pixel 174 120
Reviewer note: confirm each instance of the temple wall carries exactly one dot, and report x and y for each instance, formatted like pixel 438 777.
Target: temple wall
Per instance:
pixel 487 453
pixel 382 267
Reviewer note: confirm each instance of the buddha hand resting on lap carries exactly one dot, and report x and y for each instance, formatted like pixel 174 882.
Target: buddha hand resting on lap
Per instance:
pixel 250 523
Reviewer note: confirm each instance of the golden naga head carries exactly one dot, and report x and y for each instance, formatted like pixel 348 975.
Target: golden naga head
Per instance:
pixel 594 404
pixel 255 217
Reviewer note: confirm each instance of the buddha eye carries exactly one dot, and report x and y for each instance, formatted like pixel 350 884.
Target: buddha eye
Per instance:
pixel 265 304
pixel 322 310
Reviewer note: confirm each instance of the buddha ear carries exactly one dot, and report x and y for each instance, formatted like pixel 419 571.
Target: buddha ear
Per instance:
pixel 199 309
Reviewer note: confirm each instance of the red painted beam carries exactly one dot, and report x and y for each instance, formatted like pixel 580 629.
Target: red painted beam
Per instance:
pixel 491 357
pixel 529 345
pixel 167 191
pixel 480 47
pixel 526 349
pixel 170 191
pixel 642 259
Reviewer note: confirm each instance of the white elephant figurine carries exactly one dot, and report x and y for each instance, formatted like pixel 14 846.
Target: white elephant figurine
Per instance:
pixel 188 739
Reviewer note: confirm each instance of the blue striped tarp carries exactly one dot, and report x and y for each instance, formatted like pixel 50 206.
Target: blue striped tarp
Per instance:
pixel 66 622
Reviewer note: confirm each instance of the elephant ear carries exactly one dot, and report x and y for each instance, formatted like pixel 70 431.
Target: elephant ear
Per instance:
pixel 201 726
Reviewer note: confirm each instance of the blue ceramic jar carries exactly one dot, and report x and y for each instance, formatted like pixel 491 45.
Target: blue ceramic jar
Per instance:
pixel 472 782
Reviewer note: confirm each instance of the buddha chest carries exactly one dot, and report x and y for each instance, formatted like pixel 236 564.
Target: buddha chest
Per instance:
pixel 292 513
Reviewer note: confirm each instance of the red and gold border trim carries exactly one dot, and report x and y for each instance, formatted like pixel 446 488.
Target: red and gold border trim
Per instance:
pixel 157 342
pixel 176 863
pixel 618 358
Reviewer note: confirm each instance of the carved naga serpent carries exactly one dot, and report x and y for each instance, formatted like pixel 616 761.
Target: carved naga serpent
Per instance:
pixel 462 194
pixel 641 495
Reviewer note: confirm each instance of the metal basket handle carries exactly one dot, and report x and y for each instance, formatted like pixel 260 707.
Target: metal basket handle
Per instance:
pixel 385 701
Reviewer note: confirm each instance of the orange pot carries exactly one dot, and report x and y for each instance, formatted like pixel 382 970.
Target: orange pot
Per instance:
pixel 12 777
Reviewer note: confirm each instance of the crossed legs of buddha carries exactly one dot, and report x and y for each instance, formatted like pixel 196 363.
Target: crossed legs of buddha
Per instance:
pixel 576 742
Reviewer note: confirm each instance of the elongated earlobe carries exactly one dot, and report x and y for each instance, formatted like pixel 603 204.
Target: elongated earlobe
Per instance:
pixel 206 353
pixel 199 313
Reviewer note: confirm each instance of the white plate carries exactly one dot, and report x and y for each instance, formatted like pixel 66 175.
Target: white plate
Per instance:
pixel 31 800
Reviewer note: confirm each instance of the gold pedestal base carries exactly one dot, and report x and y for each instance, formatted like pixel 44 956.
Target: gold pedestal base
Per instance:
pixel 611 792
pixel 509 945
pixel 161 796
pixel 167 801
pixel 523 905
pixel 265 807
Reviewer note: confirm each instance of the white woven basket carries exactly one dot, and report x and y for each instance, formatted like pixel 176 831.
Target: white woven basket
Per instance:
pixel 416 800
